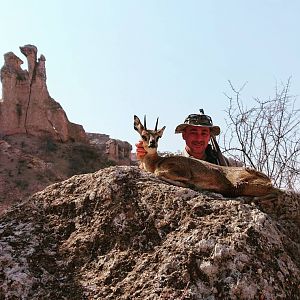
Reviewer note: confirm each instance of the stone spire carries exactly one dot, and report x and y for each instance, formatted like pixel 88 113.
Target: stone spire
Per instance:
pixel 30 51
pixel 26 105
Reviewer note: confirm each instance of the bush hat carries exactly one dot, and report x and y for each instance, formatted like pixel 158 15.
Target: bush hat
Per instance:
pixel 198 120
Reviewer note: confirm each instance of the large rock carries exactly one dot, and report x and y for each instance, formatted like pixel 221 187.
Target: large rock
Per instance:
pixel 121 233
pixel 26 105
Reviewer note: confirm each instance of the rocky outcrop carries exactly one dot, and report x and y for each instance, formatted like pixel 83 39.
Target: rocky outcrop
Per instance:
pixel 26 105
pixel 116 150
pixel 119 151
pixel 99 140
pixel 121 233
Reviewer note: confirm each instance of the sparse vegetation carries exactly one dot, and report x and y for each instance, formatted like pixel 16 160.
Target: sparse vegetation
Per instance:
pixel 20 166
pixel 22 184
pixel 20 77
pixel 19 109
pixel 86 159
pixel 267 135
pixel 50 145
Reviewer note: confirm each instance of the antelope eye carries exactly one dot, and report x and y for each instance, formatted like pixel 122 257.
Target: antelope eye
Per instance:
pixel 144 137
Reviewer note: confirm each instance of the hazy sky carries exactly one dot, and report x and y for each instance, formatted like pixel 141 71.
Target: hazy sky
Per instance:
pixel 108 60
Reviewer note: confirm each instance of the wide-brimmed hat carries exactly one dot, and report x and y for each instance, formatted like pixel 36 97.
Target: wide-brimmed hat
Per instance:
pixel 199 120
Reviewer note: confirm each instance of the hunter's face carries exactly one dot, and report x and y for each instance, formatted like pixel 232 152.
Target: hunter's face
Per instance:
pixel 196 139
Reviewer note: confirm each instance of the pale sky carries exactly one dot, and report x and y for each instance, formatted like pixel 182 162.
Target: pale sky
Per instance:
pixel 108 60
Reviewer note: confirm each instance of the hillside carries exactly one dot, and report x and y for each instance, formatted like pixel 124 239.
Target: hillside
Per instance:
pixel 28 164
pixel 121 233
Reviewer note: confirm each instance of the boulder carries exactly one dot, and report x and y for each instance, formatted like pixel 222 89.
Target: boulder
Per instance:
pixel 121 233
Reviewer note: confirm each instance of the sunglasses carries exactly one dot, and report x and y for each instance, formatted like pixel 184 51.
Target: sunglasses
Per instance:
pixel 197 119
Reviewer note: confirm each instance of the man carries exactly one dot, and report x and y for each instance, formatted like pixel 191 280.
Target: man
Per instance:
pixel 197 131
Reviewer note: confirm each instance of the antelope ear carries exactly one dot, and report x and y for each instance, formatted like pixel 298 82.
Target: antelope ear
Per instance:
pixel 161 131
pixel 138 125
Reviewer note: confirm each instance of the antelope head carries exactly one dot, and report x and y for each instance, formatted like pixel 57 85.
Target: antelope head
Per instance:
pixel 150 137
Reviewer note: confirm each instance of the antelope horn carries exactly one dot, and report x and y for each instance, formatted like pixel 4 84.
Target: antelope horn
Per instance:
pixel 156 124
pixel 145 122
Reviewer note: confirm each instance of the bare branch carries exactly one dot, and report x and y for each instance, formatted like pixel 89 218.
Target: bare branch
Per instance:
pixel 266 136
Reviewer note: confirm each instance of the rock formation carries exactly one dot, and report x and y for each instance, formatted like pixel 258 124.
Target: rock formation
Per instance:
pixel 116 150
pixel 119 151
pixel 99 140
pixel 38 145
pixel 26 105
pixel 121 233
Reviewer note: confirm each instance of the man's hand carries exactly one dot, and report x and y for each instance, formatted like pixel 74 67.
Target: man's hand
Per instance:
pixel 140 151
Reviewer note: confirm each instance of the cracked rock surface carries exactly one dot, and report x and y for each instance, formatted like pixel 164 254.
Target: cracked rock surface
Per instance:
pixel 121 233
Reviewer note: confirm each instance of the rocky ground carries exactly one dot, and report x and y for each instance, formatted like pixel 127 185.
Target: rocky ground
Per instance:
pixel 121 233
